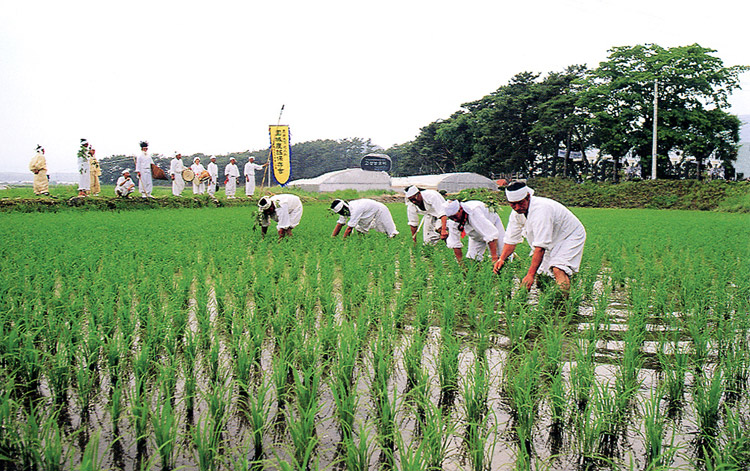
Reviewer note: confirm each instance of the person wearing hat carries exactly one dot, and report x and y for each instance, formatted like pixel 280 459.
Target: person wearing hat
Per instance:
pixel 213 171
pixel 125 185
pixel 363 214
pixel 231 174
pixel 38 167
pixel 429 203
pixel 483 228
pixel 143 170
pixel 250 168
pixel 175 173
pixel 199 187
pixel 285 209
pixel 95 171
pixel 555 235
pixel 84 170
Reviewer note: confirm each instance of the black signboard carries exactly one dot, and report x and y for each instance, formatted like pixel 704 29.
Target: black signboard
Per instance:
pixel 375 163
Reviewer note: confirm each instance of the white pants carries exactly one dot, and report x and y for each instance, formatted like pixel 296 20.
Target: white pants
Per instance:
pixel 211 187
pixel 145 184
pixel 250 187
pixel 231 187
pixel 178 184
pixel 380 222
pixel 431 229
pixel 198 188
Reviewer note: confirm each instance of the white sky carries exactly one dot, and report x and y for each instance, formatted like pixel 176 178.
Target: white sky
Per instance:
pixel 211 76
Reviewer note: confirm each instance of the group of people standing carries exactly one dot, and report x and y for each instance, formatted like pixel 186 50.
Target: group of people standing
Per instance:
pixel 206 179
pixel 554 233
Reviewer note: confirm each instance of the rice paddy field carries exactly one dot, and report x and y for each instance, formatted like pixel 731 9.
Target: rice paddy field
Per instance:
pixel 180 339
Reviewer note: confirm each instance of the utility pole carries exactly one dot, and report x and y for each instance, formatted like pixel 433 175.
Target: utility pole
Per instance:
pixel 653 142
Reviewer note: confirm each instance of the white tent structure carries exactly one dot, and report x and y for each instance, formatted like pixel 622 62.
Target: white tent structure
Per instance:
pixel 347 179
pixel 448 182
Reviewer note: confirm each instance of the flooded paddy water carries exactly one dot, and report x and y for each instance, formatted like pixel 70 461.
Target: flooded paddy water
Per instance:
pixel 369 353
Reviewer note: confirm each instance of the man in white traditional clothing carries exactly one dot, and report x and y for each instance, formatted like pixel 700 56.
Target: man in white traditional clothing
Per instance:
pixel 483 228
pixel 213 171
pixel 555 235
pixel 363 214
pixel 84 170
pixel 125 185
pixel 38 167
pixel 429 203
pixel 175 173
pixel 285 209
pixel 143 170
pixel 250 168
pixel 199 187
pixel 232 174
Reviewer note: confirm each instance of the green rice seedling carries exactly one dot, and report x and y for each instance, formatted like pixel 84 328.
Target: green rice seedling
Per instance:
pixel 90 459
pixel 476 392
pixel 673 370
pixel 654 419
pixel 582 372
pixel 301 427
pixel 736 441
pixel 85 387
pixel 165 426
pixel 54 450
pixel 450 347
pixel 558 399
pixel 707 401
pixel 413 359
pixel 217 399
pixel 257 412
pixel 525 399
pixel 632 357
pixel 356 456
pixel 386 407
pixel 478 446
pixel 411 456
pixel 347 403
pixel 346 356
pixel 436 431
pixel 116 406
pixel 206 442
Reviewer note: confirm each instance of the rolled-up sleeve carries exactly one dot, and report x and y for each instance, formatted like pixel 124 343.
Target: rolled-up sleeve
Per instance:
pixel 514 232
pixel 411 214
pixel 454 236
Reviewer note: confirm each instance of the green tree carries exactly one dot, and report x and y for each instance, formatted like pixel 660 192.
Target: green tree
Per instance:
pixel 693 91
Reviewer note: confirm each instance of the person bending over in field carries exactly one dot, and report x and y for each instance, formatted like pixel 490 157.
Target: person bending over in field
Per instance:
pixel 555 235
pixel 363 214
pixel 429 203
pixel 484 229
pixel 285 209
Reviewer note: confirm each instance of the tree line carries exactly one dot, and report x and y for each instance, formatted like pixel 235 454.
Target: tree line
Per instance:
pixel 534 125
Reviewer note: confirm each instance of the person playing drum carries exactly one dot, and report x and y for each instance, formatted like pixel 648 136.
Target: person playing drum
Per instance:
pixel 199 186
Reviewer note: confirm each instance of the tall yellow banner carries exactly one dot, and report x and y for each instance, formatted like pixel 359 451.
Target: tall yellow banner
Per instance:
pixel 282 165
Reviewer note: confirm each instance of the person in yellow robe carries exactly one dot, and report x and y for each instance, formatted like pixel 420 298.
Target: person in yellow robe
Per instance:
pixel 95 172
pixel 38 167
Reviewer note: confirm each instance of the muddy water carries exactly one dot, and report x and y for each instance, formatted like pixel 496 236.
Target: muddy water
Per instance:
pixel 121 450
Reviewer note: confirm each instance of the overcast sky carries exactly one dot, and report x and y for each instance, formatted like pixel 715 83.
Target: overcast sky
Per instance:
pixel 211 76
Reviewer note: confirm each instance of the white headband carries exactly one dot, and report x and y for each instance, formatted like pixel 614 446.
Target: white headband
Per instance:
pixel 411 191
pixel 450 208
pixel 338 206
pixel 519 194
pixel 264 203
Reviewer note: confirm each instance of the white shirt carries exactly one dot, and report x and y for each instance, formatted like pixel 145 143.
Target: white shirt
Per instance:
pixel 213 170
pixel 433 206
pixel 197 169
pixel 362 209
pixel 547 224
pixel 250 169
pixel 125 183
pixel 231 170
pixel 176 166
pixel 480 225
pixel 143 163
pixel 288 211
